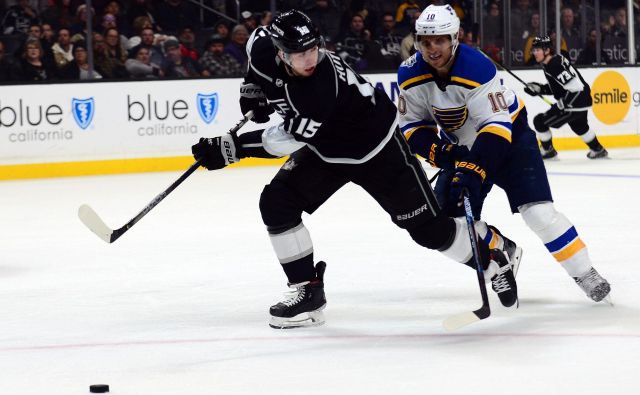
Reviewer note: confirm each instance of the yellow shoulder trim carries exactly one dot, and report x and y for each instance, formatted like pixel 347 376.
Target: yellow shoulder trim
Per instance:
pixel 504 133
pixel 415 79
pixel 466 81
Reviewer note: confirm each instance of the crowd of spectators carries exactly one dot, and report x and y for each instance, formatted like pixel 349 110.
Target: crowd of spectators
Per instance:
pixel 47 39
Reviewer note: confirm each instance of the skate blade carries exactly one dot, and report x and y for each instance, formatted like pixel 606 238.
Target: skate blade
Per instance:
pixel 607 299
pixel 515 260
pixel 303 320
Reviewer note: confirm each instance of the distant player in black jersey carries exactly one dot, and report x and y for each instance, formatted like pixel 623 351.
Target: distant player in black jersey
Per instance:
pixel 573 97
pixel 337 129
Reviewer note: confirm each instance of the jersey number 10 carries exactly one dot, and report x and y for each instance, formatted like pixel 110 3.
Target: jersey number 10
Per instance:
pixel 498 103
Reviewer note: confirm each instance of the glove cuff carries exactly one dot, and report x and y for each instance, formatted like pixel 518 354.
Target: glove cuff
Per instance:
pixel 472 168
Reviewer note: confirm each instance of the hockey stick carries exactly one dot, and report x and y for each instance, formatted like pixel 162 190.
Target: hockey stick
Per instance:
pixel 432 179
pixel 459 320
pixel 503 67
pixel 95 224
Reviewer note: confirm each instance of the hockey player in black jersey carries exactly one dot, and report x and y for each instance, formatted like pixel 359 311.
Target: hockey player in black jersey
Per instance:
pixel 573 97
pixel 337 129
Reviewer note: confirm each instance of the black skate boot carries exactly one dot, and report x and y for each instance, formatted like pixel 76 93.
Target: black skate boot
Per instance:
pixel 594 285
pixel 598 154
pixel 550 153
pixel 514 252
pixel 304 304
pixel 503 281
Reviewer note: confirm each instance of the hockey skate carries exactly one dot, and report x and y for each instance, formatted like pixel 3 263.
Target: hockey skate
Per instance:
pixel 599 154
pixel 514 252
pixel 503 280
pixel 550 153
pixel 594 285
pixel 304 304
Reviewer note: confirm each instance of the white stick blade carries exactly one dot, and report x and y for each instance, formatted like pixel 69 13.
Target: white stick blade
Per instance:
pixel 457 321
pixel 91 220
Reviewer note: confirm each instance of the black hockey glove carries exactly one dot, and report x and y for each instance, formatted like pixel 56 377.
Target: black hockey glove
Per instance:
pixel 253 99
pixel 216 152
pixel 445 156
pixel 537 89
pixel 470 176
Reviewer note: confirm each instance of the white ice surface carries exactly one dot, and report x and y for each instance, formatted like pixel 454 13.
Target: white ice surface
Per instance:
pixel 179 304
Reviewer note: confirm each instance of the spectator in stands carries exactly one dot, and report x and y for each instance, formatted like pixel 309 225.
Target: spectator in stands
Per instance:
pixel 19 17
pixel 187 39
pixel 588 54
pixel 520 28
pixel 147 37
pixel 405 15
pixel 615 41
pixel 63 48
pixel 138 8
pixel 33 67
pixel 141 65
pixel 237 45
pixel 48 34
pixel 570 34
pixel 109 55
pixel 60 13
pixel 139 24
pixel 532 33
pixel 326 17
pixel 79 28
pixel 217 62
pixel 265 19
pixel 249 21
pixel 353 44
pixel 390 40
pixel 9 67
pixel 221 28
pixel 78 69
pixel 406 46
pixel 493 33
pixel 110 21
pixel 114 8
pixel 178 66
pixel 172 15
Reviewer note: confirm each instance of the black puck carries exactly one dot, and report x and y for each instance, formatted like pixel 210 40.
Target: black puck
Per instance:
pixel 99 388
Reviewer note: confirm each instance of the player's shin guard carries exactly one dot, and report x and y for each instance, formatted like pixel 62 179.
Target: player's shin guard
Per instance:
pixel 293 246
pixel 561 239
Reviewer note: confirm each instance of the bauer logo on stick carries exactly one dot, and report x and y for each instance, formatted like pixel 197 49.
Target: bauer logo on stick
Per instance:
pixel 207 106
pixel 83 110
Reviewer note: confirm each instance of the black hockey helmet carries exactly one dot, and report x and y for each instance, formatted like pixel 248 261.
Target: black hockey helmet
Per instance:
pixel 543 42
pixel 293 31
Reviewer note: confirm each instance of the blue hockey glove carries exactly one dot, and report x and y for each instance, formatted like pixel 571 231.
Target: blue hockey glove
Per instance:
pixel 470 176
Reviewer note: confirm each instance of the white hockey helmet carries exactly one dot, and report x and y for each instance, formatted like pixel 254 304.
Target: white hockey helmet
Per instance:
pixel 438 20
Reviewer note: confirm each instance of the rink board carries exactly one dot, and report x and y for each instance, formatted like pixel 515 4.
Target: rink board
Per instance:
pixel 120 127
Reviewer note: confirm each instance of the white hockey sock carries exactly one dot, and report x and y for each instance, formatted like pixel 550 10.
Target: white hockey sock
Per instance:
pixel 292 244
pixel 544 136
pixel 492 238
pixel 460 249
pixel 588 137
pixel 559 236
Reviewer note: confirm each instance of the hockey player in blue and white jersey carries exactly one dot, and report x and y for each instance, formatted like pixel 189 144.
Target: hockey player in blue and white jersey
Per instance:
pixel 455 112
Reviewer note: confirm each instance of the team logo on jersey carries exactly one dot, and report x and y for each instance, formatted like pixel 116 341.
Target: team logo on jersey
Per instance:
pixel 279 83
pixel 451 119
pixel 83 110
pixel 410 61
pixel 207 106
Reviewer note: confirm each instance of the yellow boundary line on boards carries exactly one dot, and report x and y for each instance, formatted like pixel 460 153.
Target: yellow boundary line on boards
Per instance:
pixel 140 165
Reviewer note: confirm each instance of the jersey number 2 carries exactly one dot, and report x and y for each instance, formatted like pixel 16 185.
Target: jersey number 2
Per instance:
pixel 498 103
